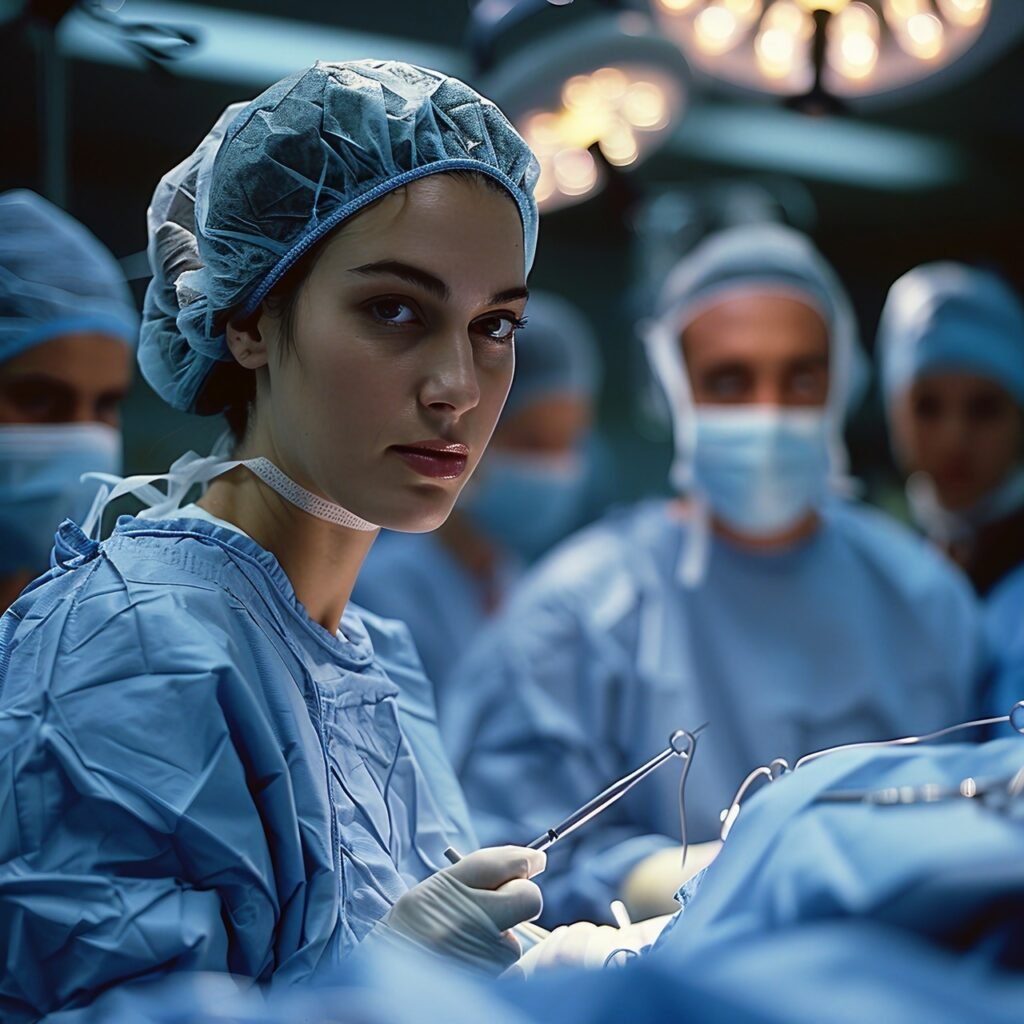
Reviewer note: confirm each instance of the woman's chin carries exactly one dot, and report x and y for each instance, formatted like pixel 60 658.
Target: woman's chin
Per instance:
pixel 417 521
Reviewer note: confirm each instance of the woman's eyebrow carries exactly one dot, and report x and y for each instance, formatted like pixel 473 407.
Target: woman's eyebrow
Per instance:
pixel 429 282
pixel 406 272
pixel 510 295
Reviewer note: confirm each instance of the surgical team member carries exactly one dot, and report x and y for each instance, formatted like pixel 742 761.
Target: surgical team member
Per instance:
pixel 951 340
pixel 68 329
pixel 207 755
pixel 528 494
pixel 762 602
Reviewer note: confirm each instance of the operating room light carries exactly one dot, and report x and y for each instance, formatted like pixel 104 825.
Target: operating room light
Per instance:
pixel 598 98
pixel 613 108
pixel 866 46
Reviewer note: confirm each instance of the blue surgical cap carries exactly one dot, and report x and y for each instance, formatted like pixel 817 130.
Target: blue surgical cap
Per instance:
pixel 56 278
pixel 556 353
pixel 947 316
pixel 275 176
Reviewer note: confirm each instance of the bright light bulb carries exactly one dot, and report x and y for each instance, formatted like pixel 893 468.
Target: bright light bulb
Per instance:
pixel 924 36
pixel 676 6
pixel 611 83
pixel 746 12
pixel 580 92
pixel 645 106
pixel 898 12
pixel 786 16
pixel 832 6
pixel 776 52
pixel 853 41
pixel 716 28
pixel 575 172
pixel 964 12
pixel 619 146
pixel 543 132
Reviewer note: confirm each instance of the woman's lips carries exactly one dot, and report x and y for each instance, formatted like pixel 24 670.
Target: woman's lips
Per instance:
pixel 438 460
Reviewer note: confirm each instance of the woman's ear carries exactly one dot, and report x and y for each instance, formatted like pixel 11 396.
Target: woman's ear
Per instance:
pixel 247 344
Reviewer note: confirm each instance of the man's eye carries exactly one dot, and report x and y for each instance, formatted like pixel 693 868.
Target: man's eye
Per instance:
pixel 392 311
pixel 726 384
pixel 927 407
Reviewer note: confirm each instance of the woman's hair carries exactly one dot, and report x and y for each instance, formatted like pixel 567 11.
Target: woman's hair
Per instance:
pixel 231 387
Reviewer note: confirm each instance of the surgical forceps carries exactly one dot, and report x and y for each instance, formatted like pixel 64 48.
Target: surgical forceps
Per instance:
pixel 680 744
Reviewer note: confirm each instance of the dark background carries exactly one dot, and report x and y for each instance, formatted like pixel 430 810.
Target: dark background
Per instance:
pixel 127 124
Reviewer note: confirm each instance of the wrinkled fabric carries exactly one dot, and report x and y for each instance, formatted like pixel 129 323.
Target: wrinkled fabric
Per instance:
pixel 951 317
pixel 414 578
pixel 1004 628
pixel 860 969
pixel 556 354
pixel 196 776
pixel 274 177
pixel 859 632
pixel 951 872
pixel 56 278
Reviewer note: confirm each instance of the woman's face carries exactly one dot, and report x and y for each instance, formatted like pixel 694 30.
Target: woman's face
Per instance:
pixel 965 431
pixel 403 353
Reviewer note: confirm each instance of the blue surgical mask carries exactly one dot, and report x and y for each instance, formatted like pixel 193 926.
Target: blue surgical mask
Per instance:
pixel 761 468
pixel 40 485
pixel 526 502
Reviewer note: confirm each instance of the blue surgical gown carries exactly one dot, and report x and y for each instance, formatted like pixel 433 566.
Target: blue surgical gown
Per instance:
pixel 859 632
pixel 414 578
pixel 1004 627
pixel 194 775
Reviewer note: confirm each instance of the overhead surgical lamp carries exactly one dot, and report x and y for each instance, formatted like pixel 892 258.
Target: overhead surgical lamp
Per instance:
pixel 827 49
pixel 591 99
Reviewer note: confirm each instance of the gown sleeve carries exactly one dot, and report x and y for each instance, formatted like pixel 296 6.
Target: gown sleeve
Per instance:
pixel 146 818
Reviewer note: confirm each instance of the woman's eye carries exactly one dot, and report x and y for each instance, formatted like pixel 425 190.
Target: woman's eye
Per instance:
pixel 392 311
pixel 498 328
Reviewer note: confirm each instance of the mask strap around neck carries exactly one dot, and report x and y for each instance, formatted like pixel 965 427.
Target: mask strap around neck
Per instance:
pixel 305 500
pixel 192 469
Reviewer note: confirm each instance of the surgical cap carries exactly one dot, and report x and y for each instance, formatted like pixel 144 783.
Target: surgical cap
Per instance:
pixel 274 177
pixel 56 278
pixel 753 259
pixel 947 316
pixel 556 353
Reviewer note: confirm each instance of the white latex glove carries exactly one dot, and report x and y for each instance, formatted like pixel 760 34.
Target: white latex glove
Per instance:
pixel 587 945
pixel 466 910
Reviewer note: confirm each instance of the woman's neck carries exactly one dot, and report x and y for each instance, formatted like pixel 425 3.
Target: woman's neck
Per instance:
pixel 320 559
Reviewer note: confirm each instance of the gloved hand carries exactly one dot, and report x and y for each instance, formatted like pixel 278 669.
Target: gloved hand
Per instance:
pixel 588 945
pixel 466 910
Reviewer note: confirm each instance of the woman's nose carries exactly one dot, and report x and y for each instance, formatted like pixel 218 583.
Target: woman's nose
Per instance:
pixel 451 382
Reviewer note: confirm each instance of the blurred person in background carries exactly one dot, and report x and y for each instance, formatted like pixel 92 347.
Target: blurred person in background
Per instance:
pixel 763 602
pixel 951 344
pixel 68 330
pixel 528 493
